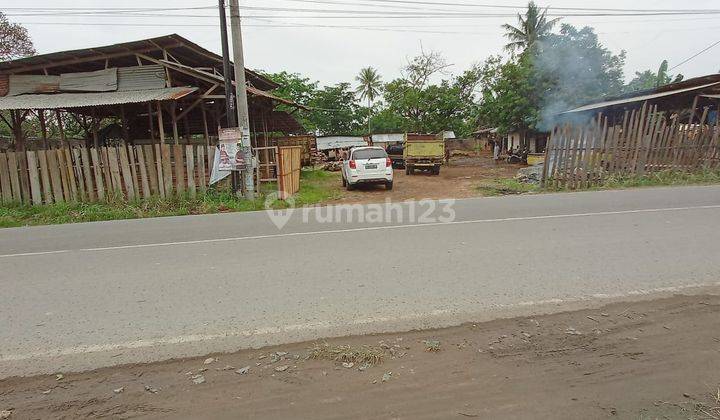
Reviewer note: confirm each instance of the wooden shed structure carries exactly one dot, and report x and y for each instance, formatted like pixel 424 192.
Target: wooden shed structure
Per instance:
pixel 158 90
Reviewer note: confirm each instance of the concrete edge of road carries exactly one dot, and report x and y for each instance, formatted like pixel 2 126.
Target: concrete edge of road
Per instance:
pixel 332 205
pixel 87 358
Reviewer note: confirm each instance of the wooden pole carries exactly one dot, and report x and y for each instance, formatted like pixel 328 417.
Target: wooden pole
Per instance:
pixel 124 124
pixel 161 126
pixel 61 129
pixel 43 128
pixel 151 123
pixel 173 117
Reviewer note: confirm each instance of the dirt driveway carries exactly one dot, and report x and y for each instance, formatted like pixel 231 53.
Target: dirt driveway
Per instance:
pixel 458 180
pixel 637 360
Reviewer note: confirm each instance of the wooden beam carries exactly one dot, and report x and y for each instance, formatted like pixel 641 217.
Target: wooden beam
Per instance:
pixel 177 69
pixel 197 101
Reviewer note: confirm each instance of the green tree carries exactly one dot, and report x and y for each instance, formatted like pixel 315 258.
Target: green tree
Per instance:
pixel 369 87
pixel 531 28
pixel 334 110
pixel 649 79
pixel 296 88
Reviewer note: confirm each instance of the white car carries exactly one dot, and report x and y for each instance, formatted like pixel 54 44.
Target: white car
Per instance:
pixel 367 165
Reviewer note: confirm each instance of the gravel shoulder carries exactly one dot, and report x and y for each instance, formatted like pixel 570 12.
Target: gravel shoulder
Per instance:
pixel 650 359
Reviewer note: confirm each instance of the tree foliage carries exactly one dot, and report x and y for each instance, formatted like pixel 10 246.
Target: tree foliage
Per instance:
pixel 533 26
pixel 649 79
pixel 14 40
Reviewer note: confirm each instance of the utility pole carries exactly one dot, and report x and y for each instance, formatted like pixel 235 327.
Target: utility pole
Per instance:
pixel 229 97
pixel 241 93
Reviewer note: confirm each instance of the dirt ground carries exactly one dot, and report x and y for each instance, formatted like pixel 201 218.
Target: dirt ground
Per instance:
pixel 639 360
pixel 457 180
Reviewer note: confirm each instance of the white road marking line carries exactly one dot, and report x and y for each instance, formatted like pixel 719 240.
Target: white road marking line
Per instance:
pixel 196 338
pixel 362 229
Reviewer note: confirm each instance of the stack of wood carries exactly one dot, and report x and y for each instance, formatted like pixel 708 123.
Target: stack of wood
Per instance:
pixel 333 166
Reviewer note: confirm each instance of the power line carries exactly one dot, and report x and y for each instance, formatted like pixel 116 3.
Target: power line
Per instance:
pixel 504 6
pixel 695 55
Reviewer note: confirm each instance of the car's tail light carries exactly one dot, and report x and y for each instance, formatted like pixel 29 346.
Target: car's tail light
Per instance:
pixel 388 162
pixel 352 164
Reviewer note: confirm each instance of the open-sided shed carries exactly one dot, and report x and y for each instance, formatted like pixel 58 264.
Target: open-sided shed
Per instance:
pixel 164 89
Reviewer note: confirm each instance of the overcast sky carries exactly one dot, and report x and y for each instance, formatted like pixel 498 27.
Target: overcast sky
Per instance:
pixel 336 54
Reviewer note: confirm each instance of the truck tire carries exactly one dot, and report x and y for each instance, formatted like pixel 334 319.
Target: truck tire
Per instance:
pixel 407 169
pixel 436 170
pixel 389 185
pixel 411 169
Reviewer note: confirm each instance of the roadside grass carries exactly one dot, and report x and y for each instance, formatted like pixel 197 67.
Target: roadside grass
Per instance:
pixel 316 187
pixel 359 355
pixel 510 186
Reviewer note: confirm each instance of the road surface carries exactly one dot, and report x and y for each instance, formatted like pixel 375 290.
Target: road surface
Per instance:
pixel 83 296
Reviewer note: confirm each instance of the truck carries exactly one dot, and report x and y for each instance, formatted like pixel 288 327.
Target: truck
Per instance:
pixel 423 152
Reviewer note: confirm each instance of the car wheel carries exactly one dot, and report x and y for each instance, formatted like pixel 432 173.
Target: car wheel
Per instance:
pixel 389 185
pixel 349 186
pixel 344 182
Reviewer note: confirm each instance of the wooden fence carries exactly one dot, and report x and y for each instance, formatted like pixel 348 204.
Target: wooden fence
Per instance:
pixel 81 174
pixel 122 172
pixel 646 141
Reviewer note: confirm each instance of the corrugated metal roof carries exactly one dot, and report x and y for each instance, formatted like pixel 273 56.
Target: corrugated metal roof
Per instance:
pixel 83 100
pixel 141 77
pixel 388 138
pixel 338 142
pixel 638 98
pixel 21 84
pixel 89 81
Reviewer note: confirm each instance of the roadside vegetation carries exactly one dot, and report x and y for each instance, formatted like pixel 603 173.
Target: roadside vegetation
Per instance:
pixel 315 188
pixel 497 187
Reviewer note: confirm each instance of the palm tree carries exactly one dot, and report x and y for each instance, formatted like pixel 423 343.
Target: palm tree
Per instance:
pixel 369 87
pixel 532 27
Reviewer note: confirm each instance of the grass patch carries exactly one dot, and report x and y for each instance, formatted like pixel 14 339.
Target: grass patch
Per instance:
pixel 506 186
pixel 510 186
pixel 661 178
pixel 359 355
pixel 316 187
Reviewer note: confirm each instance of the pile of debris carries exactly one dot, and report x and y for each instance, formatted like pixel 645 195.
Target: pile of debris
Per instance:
pixel 317 158
pixel 333 166
pixel 530 174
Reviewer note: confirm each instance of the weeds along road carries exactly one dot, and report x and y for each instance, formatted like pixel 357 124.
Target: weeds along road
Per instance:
pixel 88 295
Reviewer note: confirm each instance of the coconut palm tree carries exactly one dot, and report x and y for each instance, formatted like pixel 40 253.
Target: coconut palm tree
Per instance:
pixel 369 87
pixel 532 27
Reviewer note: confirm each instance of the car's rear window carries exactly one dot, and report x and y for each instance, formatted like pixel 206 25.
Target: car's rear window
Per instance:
pixel 369 154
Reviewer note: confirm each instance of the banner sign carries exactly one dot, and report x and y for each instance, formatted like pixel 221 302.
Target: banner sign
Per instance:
pixel 230 152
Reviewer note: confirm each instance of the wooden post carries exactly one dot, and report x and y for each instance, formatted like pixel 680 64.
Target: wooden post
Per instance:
pixel 161 126
pixel 94 124
pixel 176 136
pixel 205 129
pixel 60 128
pixel 151 123
pixel 43 128
pixel 124 125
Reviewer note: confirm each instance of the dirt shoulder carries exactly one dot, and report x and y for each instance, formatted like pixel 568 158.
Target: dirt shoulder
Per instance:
pixel 651 359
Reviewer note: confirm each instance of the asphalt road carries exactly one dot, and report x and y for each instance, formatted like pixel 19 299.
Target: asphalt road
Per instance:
pixel 83 296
